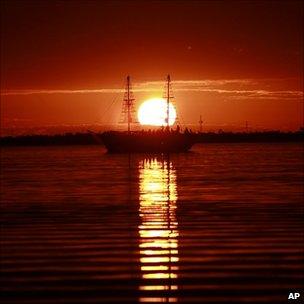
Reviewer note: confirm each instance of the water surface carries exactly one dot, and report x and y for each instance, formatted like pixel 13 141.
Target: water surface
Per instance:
pixel 221 224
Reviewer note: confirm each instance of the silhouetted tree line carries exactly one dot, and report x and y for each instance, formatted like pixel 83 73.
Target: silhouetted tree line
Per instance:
pixel 206 137
pixel 49 140
pixel 238 137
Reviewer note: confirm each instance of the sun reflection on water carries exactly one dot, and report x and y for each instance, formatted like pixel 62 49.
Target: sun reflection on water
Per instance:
pixel 158 230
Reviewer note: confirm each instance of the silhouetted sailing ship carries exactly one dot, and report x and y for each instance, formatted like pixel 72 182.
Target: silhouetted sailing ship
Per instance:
pixel 163 140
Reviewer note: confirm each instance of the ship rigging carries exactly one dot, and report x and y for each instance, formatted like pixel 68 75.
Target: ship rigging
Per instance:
pixel 163 140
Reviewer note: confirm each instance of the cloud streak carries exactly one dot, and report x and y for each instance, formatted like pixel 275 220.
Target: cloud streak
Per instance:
pixel 230 88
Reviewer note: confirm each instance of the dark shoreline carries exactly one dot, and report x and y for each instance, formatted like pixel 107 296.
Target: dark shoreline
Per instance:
pixel 208 137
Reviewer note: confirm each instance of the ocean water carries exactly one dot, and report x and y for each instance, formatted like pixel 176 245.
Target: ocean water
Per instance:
pixel 220 224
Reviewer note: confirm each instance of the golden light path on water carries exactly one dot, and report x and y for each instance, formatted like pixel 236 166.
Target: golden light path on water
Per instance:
pixel 158 230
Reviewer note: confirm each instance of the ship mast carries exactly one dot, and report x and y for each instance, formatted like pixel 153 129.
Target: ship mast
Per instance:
pixel 168 99
pixel 168 96
pixel 128 106
pixel 128 102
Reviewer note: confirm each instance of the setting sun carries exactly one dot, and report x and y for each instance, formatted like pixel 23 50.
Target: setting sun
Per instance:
pixel 153 112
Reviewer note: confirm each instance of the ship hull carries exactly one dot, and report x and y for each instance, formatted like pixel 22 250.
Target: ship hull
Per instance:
pixel 121 142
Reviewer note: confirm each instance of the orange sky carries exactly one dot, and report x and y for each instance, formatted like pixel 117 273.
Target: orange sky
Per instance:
pixel 64 62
